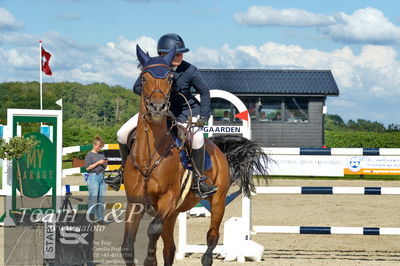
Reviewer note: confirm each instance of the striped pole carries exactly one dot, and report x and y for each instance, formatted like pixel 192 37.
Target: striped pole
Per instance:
pixel 329 190
pixel 326 230
pixel 334 151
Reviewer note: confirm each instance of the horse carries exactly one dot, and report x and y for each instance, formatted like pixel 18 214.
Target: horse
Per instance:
pixel 153 171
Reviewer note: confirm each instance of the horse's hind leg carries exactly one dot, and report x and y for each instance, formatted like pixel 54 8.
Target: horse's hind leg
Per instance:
pixel 167 236
pixel 217 212
pixel 134 213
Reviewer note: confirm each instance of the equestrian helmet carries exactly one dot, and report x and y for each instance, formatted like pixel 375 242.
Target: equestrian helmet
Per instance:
pixel 168 41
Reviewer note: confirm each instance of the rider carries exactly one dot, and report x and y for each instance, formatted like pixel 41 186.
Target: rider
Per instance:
pixel 186 76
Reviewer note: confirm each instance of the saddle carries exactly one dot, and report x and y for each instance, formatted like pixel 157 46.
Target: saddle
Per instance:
pixel 180 135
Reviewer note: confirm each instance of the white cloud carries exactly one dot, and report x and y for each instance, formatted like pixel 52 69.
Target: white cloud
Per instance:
pixel 374 66
pixel 18 59
pixel 17 38
pixel 375 69
pixel 7 20
pixel 368 80
pixel 125 49
pixel 269 16
pixel 367 25
pixel 337 102
pixel 371 73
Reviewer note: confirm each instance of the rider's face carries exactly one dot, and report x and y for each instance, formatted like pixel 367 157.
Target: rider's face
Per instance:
pixel 177 59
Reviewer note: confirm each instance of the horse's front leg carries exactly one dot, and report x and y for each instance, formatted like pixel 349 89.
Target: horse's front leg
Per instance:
pixel 134 213
pixel 217 213
pixel 165 207
pixel 167 236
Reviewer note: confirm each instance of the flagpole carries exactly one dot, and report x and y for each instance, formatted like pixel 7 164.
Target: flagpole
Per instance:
pixel 40 71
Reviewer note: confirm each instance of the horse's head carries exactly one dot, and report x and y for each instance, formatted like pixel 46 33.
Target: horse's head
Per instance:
pixel 156 83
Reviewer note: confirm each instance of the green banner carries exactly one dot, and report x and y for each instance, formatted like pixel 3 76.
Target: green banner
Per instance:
pixel 38 168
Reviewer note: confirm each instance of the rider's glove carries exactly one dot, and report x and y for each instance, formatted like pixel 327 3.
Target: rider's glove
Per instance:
pixel 201 121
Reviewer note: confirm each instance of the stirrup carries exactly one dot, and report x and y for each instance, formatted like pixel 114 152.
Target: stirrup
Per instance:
pixel 203 194
pixel 115 181
pixel 196 181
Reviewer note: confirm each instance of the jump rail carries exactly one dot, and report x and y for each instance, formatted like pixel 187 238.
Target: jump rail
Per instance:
pixel 330 190
pixel 334 151
pixel 324 230
pixel 249 230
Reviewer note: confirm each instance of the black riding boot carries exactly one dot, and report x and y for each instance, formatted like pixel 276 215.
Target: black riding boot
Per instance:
pixel 116 181
pixel 199 183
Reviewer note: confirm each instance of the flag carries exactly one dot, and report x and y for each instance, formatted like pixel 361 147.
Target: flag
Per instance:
pixel 243 115
pixel 59 102
pixel 45 62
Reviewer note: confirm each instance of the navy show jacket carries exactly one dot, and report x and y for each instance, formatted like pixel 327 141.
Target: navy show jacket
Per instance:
pixel 186 76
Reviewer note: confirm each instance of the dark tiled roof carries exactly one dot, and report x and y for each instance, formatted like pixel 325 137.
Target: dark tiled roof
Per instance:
pixel 266 81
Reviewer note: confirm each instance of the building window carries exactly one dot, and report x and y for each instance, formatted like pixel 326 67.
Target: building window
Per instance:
pixel 263 109
pixel 274 110
pixel 223 111
pixel 270 110
pixel 296 110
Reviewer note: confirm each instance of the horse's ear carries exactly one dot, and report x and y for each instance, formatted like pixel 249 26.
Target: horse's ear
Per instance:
pixel 168 58
pixel 142 56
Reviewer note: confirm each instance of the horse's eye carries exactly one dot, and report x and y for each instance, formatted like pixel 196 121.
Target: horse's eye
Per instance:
pixel 143 79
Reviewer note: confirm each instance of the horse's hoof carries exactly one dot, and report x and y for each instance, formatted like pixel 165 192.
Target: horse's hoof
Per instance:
pixel 150 261
pixel 206 259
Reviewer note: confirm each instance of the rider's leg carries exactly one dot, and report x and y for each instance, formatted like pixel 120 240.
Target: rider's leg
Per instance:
pixel 122 136
pixel 198 153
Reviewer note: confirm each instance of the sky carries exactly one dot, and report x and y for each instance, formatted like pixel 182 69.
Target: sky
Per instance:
pixel 94 41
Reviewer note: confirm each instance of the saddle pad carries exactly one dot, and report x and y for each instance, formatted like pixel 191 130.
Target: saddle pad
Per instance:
pixel 186 183
pixel 186 162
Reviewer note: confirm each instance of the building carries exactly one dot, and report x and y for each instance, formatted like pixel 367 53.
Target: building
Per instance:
pixel 286 106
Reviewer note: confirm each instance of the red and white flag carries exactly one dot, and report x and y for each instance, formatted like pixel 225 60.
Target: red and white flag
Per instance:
pixel 45 62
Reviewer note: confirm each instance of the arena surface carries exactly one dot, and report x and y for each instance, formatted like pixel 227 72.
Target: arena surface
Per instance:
pixel 302 210
pixel 317 210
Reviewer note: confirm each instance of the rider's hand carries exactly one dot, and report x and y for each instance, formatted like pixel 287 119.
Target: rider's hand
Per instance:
pixel 201 121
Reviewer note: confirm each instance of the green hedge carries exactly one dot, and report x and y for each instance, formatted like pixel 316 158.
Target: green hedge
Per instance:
pixel 361 139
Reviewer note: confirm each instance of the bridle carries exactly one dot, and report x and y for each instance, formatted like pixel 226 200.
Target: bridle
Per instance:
pixel 148 97
pixel 148 168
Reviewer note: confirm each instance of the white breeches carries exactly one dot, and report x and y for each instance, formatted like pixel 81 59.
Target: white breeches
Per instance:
pixel 122 134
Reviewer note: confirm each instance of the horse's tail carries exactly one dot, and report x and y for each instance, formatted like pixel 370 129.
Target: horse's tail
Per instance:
pixel 245 158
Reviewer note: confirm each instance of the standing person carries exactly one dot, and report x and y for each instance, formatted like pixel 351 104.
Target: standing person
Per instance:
pixel 185 77
pixel 96 164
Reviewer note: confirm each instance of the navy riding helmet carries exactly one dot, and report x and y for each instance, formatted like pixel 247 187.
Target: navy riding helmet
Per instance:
pixel 170 40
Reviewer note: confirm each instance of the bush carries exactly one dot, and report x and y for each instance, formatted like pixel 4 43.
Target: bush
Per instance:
pixel 362 139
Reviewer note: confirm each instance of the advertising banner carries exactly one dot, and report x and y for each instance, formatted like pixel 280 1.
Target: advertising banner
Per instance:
pixel 300 165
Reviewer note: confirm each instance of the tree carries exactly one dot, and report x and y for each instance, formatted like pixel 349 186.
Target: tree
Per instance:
pixel 393 127
pixel 334 122
pixel 365 125
pixel 16 148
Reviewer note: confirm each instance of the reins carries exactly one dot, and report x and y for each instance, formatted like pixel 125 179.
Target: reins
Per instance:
pixel 149 168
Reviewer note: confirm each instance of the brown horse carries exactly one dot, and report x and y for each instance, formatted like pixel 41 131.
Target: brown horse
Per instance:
pixel 153 171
